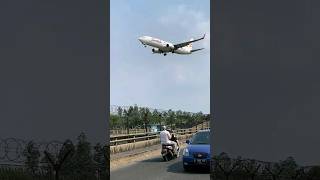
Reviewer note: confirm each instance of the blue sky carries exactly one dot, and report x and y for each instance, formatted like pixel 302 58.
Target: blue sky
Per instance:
pixel 166 82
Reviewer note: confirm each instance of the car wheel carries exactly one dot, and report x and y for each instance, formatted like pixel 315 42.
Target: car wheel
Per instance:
pixel 186 168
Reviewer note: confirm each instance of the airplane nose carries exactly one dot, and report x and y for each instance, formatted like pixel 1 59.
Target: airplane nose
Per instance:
pixel 140 39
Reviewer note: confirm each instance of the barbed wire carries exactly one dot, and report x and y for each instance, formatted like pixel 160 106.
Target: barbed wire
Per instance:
pixel 228 168
pixel 52 159
pixel 12 149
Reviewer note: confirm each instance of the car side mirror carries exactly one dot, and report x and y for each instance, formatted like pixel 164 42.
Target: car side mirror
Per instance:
pixel 188 141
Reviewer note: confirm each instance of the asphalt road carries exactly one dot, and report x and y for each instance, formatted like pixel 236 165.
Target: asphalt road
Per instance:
pixel 157 169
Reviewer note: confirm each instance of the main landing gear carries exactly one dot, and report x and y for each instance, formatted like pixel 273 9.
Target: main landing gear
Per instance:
pixel 165 54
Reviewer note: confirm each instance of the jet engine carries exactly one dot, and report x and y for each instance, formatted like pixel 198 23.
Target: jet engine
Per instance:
pixel 156 50
pixel 171 46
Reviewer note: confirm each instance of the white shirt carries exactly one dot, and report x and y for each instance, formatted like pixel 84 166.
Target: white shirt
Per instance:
pixel 165 137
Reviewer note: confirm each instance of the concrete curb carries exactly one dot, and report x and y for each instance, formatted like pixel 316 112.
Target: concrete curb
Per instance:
pixel 133 154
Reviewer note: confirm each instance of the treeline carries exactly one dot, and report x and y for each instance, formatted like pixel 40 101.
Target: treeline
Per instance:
pixel 142 117
pixel 69 161
pixel 224 167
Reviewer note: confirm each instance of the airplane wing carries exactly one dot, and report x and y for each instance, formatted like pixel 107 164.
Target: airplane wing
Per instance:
pixel 177 46
pixel 196 49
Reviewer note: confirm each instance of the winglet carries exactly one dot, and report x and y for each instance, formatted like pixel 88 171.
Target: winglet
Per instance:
pixel 204 35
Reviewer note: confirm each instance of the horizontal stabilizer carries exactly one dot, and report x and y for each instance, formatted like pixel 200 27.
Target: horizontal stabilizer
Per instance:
pixel 196 49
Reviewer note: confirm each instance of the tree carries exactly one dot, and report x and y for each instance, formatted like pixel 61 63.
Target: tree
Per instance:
pixel 83 159
pixel 145 116
pixel 127 115
pixel 178 116
pixel 120 113
pixel 198 118
pixel 100 160
pixel 171 115
pixel 164 117
pixel 314 172
pixel 136 117
pixel 251 167
pixel 226 165
pixel 290 168
pixel 115 121
pixel 274 169
pixel 66 159
pixel 32 155
pixel 155 117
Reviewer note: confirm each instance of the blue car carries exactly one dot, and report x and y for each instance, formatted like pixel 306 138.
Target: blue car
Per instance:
pixel 197 152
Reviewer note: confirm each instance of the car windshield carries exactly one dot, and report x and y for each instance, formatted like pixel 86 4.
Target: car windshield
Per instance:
pixel 201 138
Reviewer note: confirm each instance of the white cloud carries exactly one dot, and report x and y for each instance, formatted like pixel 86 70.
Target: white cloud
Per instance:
pixel 192 22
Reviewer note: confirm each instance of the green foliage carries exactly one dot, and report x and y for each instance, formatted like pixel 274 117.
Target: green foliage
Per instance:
pixel 83 163
pixel 115 121
pixel 100 159
pixel 142 117
pixel 156 117
pixel 314 172
pixel 145 116
pixel 32 155
pixel 67 152
pixel 290 167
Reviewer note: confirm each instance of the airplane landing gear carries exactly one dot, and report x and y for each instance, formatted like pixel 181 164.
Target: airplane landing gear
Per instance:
pixel 164 54
pixel 145 46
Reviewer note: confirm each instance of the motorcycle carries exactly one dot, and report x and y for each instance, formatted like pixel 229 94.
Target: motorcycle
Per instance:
pixel 168 153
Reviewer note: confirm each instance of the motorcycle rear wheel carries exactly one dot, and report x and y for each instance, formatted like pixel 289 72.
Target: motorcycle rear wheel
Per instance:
pixel 165 158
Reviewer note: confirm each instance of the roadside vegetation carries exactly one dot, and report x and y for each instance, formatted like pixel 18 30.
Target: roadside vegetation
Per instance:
pixel 135 117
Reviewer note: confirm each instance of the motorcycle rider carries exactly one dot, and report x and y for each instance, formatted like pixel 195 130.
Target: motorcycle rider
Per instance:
pixel 165 137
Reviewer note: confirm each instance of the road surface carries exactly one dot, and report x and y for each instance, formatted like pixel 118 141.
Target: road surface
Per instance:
pixel 156 169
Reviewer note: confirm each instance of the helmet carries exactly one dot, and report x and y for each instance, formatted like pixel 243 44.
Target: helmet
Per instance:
pixel 164 128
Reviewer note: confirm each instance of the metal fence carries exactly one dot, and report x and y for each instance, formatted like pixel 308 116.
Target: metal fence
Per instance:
pixel 132 138
pixel 115 132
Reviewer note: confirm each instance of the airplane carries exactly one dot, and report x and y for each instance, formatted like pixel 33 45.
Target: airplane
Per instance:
pixel 160 46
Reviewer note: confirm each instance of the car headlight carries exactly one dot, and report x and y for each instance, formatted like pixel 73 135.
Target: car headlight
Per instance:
pixel 185 152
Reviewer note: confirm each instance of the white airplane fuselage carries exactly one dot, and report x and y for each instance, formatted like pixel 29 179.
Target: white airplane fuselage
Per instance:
pixel 161 46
